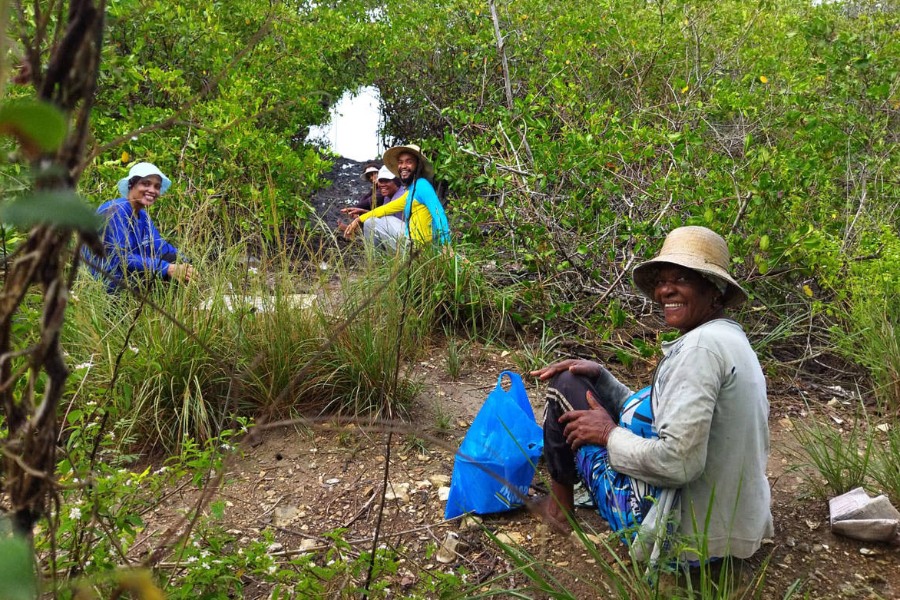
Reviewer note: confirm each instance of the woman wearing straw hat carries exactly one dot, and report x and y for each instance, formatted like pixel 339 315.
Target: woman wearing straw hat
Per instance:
pixel 372 197
pixel 426 221
pixel 688 454
pixel 132 243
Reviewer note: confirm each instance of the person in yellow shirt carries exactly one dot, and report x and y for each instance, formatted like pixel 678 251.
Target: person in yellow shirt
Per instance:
pixel 424 217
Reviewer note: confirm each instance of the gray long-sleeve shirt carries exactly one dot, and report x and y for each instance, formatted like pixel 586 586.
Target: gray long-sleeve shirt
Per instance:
pixel 711 412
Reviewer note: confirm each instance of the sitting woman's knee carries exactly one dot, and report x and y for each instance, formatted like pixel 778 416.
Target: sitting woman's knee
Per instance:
pixel 573 388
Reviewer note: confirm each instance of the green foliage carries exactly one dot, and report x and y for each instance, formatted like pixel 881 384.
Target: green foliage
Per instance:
pixel 101 498
pixel 36 125
pixel 446 290
pixel 840 459
pixel 173 385
pixel 39 128
pixel 885 469
pixel 454 357
pixel 616 577
pixel 770 122
pixel 773 123
pixel 870 332
pixel 219 100
pixel 258 352
pixel 58 208
pixel 865 455
pixel 17 580
pixel 537 354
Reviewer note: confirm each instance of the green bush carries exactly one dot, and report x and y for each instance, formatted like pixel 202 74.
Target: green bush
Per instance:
pixel 211 353
pixel 870 335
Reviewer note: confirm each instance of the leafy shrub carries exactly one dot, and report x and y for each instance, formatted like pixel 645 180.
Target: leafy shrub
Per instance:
pixel 870 335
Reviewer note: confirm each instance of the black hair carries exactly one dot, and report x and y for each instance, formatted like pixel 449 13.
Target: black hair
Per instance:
pixel 133 181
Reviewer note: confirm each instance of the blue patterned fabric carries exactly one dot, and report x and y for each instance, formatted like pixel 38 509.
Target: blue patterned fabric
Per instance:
pixel 621 500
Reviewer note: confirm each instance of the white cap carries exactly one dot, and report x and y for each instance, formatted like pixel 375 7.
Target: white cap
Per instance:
pixel 144 169
pixel 385 173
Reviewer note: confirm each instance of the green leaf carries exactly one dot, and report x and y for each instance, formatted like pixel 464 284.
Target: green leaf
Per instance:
pixel 17 581
pixel 37 125
pixel 60 208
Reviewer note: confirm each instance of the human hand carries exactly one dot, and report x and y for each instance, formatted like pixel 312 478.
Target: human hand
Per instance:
pixel 584 427
pixel 181 272
pixel 576 366
pixel 351 229
pixel 353 211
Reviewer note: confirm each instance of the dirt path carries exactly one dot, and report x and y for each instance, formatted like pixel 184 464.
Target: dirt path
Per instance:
pixel 302 484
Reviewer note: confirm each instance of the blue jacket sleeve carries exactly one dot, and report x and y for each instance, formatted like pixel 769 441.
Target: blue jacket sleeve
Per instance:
pixel 161 247
pixel 425 195
pixel 122 239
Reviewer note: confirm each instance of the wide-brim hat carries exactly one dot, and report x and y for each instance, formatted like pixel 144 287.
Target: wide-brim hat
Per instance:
pixel 369 169
pixel 143 169
pixel 696 248
pixel 392 155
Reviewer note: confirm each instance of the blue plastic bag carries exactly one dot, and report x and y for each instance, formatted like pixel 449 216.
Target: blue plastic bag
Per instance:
pixel 499 452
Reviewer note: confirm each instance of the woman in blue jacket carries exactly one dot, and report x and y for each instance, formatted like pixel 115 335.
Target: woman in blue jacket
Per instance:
pixel 132 244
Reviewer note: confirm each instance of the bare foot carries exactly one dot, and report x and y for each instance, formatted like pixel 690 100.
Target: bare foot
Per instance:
pixel 549 510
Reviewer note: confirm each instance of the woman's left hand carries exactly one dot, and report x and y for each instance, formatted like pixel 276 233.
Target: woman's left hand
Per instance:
pixel 584 427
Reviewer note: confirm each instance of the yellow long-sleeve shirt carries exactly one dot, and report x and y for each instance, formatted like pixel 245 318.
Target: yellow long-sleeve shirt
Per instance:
pixel 427 217
pixel 419 221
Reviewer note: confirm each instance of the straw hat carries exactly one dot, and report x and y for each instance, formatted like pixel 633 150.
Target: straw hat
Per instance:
pixel 370 168
pixel 143 169
pixel 392 154
pixel 696 248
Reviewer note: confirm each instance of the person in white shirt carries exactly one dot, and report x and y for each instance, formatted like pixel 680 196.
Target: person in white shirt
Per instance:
pixel 687 456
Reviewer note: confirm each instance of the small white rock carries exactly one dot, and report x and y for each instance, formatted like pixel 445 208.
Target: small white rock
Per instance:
pixel 397 491
pixel 510 538
pixel 439 479
pixel 446 554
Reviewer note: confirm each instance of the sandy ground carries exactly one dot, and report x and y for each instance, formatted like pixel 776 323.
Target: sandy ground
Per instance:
pixel 302 483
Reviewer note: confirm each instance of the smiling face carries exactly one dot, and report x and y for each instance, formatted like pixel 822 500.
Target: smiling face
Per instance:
pixel 387 187
pixel 406 165
pixel 145 192
pixel 687 299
